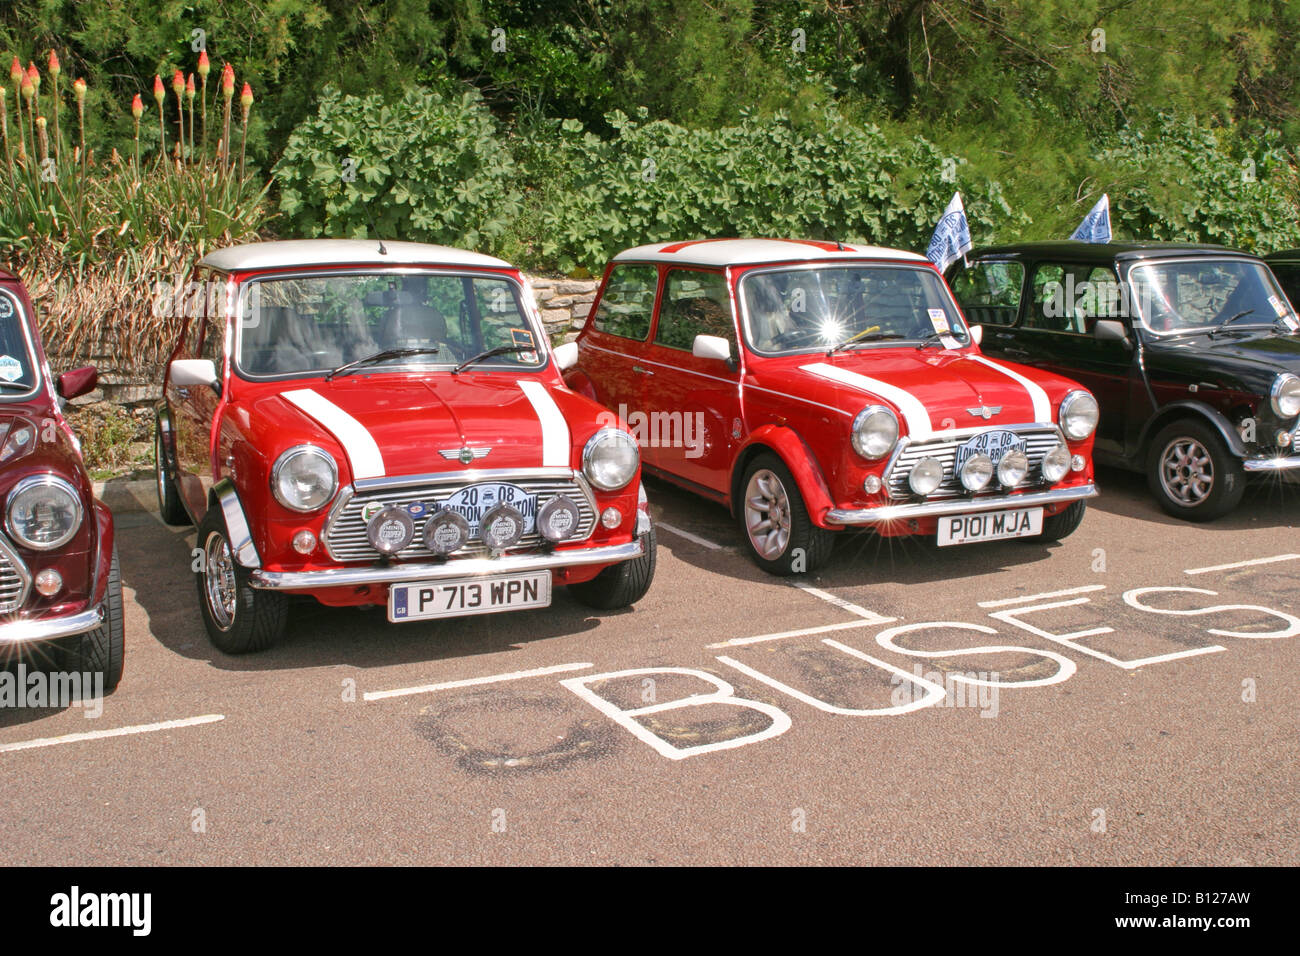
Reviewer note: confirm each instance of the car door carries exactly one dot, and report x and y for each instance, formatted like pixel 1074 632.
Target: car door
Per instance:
pixel 690 402
pixel 1056 332
pixel 194 408
pixel 611 345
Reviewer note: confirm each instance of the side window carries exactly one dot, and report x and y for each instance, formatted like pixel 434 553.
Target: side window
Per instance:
pixel 989 292
pixel 1071 298
pixel 628 302
pixel 1288 276
pixel 213 342
pixel 694 303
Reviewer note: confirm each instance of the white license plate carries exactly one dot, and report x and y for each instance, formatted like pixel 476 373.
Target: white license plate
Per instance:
pixel 990 526
pixel 459 598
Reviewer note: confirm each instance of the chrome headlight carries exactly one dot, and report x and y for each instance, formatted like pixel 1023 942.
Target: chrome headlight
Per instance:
pixel 1286 396
pixel 43 513
pixel 875 432
pixel 610 459
pixel 1079 415
pixel 304 478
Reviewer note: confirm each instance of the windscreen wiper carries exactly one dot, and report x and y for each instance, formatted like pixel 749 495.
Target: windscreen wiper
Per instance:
pixel 862 338
pixel 383 356
pixel 499 350
pixel 1228 321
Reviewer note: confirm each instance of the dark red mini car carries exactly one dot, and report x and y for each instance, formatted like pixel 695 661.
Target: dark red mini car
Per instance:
pixel 59 580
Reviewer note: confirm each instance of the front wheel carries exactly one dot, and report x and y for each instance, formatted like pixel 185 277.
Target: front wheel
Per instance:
pixel 1062 524
pixel 238 617
pixel 774 520
pixel 1193 473
pixel 101 651
pixel 623 584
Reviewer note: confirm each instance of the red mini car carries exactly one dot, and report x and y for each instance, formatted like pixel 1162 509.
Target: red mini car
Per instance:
pixel 374 422
pixel 59 580
pixel 817 386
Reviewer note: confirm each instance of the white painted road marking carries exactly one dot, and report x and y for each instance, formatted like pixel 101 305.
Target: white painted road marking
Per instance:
pixel 1243 564
pixel 1007 602
pixel 117 732
pixel 871 617
pixel 473 681
pixel 802 632
pixel 704 542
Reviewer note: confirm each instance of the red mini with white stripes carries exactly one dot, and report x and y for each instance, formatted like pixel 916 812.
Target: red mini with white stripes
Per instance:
pixel 813 387
pixel 385 423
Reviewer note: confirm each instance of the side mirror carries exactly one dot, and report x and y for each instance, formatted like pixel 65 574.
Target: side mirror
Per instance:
pixel 977 334
pixel 711 347
pixel 1109 330
pixel 566 355
pixel 186 372
pixel 77 381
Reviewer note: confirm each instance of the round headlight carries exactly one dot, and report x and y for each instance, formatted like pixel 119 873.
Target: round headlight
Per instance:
pixel 875 432
pixel 927 476
pixel 558 518
pixel 976 472
pixel 1079 414
pixel 44 512
pixel 1012 469
pixel 304 478
pixel 502 526
pixel 1056 463
pixel 1286 396
pixel 446 532
pixel 391 530
pixel 610 459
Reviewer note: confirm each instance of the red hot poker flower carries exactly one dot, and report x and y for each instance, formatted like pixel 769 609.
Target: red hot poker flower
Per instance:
pixel 204 65
pixel 55 68
pixel 137 107
pixel 159 93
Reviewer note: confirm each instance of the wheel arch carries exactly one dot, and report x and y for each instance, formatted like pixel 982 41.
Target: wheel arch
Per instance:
pixel 1196 411
pixel 224 495
pixel 794 452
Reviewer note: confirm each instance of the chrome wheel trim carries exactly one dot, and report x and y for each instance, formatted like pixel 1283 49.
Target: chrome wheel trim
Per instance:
pixel 767 514
pixel 220 589
pixel 1187 471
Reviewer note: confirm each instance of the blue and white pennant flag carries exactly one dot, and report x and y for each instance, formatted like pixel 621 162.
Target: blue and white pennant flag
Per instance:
pixel 1096 225
pixel 951 239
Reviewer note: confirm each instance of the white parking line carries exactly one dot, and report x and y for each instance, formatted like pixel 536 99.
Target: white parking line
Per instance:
pixel 1243 564
pixel 871 617
pixel 704 542
pixel 473 681
pixel 1007 602
pixel 118 732
pixel 802 632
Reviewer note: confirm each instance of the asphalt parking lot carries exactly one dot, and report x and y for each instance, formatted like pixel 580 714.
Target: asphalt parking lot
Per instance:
pixel 1126 697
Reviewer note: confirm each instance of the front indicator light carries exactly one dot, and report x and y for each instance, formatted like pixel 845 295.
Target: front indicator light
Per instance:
pixel 304 542
pixel 1077 463
pixel 390 530
pixel 611 517
pixel 926 476
pixel 48 582
pixel 872 484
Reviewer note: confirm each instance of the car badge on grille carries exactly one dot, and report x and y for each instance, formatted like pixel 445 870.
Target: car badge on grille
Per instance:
pixel 985 412
pixel 466 454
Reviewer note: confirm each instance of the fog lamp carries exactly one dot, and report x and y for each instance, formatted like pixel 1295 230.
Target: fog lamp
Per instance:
pixel 446 532
pixel 976 472
pixel 1056 463
pixel 1012 468
pixel 558 518
pixel 390 530
pixel 501 527
pixel 927 476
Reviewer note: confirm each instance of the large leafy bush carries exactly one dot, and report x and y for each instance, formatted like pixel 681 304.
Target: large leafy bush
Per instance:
pixel 432 170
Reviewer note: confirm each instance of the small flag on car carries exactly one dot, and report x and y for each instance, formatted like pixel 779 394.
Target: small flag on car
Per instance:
pixel 1096 225
pixel 951 239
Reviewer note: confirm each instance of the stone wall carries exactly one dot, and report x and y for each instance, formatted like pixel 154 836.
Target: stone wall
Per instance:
pixel 563 303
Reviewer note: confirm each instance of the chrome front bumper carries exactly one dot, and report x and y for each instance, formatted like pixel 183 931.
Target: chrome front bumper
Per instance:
pixel 1290 463
pixel 957 506
pixel 50 628
pixel 437 571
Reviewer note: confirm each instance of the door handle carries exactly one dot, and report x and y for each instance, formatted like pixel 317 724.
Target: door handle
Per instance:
pixel 641 371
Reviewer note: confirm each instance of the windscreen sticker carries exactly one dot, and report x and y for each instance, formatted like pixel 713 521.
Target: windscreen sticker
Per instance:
pixel 524 337
pixel 939 320
pixel 1278 306
pixel 11 370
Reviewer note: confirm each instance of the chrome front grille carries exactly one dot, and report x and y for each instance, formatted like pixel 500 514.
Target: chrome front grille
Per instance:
pixel 345 529
pixel 15 579
pixel 1039 440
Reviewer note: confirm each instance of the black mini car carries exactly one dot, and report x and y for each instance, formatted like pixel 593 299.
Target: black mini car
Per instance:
pixel 1192 352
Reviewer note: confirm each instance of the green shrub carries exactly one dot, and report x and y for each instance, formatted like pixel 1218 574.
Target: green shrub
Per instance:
pixel 434 170
pixel 827 179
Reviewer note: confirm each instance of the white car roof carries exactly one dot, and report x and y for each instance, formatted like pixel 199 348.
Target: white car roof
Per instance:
pixel 736 252
pixel 317 252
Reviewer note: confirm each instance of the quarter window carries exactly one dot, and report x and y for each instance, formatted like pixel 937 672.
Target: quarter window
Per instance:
pixel 1071 298
pixel 628 302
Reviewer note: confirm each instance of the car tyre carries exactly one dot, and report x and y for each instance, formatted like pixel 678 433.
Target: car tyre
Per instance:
pixel 239 618
pixel 169 500
pixel 1062 524
pixel 1193 473
pixel 774 521
pixel 621 585
pixel 102 650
